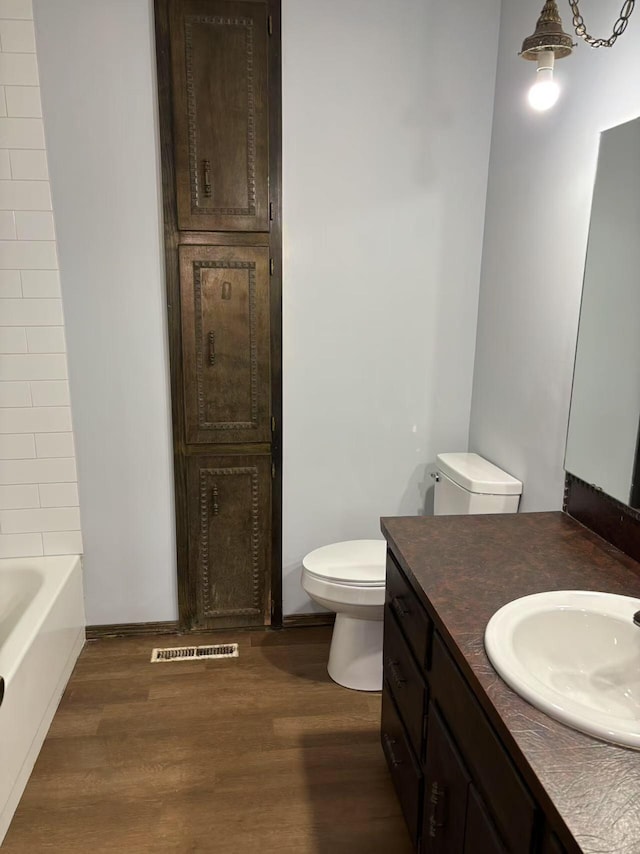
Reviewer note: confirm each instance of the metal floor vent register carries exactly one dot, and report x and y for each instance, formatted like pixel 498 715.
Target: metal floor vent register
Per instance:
pixel 190 653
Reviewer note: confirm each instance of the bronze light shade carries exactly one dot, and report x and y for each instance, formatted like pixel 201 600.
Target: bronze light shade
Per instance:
pixel 548 36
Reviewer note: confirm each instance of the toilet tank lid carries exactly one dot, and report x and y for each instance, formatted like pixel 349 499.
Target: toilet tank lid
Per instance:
pixel 476 474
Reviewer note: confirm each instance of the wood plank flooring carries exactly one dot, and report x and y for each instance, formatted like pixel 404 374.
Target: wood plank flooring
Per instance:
pixel 262 753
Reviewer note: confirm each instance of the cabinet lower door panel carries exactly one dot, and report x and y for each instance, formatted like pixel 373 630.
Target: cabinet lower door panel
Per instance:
pixel 226 343
pixel 230 522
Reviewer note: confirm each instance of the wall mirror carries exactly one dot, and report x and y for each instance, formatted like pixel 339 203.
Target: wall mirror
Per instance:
pixel 604 422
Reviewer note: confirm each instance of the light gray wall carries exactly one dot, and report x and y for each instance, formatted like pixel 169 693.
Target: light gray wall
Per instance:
pixel 605 399
pixel 386 146
pixel 538 205
pixel 99 99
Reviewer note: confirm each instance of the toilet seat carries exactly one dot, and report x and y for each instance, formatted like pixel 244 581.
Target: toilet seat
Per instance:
pixel 354 563
pixel 343 582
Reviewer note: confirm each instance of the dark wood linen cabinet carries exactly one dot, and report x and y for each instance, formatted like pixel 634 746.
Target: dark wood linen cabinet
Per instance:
pixel 220 106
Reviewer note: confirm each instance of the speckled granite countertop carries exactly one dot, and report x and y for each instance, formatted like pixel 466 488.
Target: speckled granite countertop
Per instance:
pixel 466 567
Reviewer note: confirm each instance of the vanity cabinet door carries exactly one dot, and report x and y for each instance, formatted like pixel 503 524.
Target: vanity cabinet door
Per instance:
pixel 512 807
pixel 229 521
pixel 221 123
pixel 226 343
pixel 446 786
pixel 481 836
pixel 551 844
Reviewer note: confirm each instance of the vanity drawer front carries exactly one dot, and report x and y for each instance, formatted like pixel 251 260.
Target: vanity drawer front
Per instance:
pixel 485 756
pixel 405 681
pixel 405 773
pixel 411 616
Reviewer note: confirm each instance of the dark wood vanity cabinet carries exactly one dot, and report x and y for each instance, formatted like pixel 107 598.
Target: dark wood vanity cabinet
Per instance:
pixel 458 788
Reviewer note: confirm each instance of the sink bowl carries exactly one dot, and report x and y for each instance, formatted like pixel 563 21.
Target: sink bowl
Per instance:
pixel 575 655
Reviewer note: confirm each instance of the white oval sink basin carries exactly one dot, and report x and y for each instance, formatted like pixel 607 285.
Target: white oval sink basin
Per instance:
pixel 575 655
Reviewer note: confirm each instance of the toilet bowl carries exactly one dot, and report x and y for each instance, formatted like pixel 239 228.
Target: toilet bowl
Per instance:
pixel 349 579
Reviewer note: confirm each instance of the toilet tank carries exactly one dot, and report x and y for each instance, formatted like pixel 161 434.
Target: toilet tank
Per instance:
pixel 467 483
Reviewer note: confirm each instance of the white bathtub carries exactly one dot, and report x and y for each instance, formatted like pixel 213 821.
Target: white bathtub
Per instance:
pixel 42 627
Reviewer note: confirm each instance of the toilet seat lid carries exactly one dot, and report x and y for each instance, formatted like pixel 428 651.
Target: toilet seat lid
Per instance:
pixel 358 562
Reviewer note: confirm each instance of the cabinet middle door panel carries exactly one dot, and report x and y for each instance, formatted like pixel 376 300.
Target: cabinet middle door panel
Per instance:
pixel 220 80
pixel 230 520
pixel 225 338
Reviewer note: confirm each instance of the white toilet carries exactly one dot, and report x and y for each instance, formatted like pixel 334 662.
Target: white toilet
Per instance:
pixel 349 577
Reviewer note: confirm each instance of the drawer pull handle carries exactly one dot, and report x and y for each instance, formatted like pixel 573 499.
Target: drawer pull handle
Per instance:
pixel 215 509
pixel 437 815
pixel 399 608
pixel 206 168
pixel 395 671
pixel 212 348
pixel 388 743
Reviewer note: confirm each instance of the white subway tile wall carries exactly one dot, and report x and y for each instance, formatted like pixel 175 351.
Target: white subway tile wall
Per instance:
pixel 39 512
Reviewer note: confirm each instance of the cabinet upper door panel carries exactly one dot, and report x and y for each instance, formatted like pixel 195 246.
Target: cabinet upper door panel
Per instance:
pixel 226 343
pixel 220 96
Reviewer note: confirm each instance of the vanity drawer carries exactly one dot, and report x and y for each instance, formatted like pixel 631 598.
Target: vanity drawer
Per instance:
pixel 405 681
pixel 486 758
pixel 411 616
pixel 405 773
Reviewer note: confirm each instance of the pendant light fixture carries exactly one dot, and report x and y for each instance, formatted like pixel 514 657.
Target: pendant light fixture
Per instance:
pixel 549 42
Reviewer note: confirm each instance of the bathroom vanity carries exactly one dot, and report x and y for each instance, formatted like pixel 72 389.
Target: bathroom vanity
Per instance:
pixel 476 768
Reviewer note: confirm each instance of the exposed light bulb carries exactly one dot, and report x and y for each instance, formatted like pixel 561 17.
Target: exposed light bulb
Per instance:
pixel 543 94
pixel 545 91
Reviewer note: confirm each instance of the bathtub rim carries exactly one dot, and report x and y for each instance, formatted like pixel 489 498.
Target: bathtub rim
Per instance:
pixel 55 571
